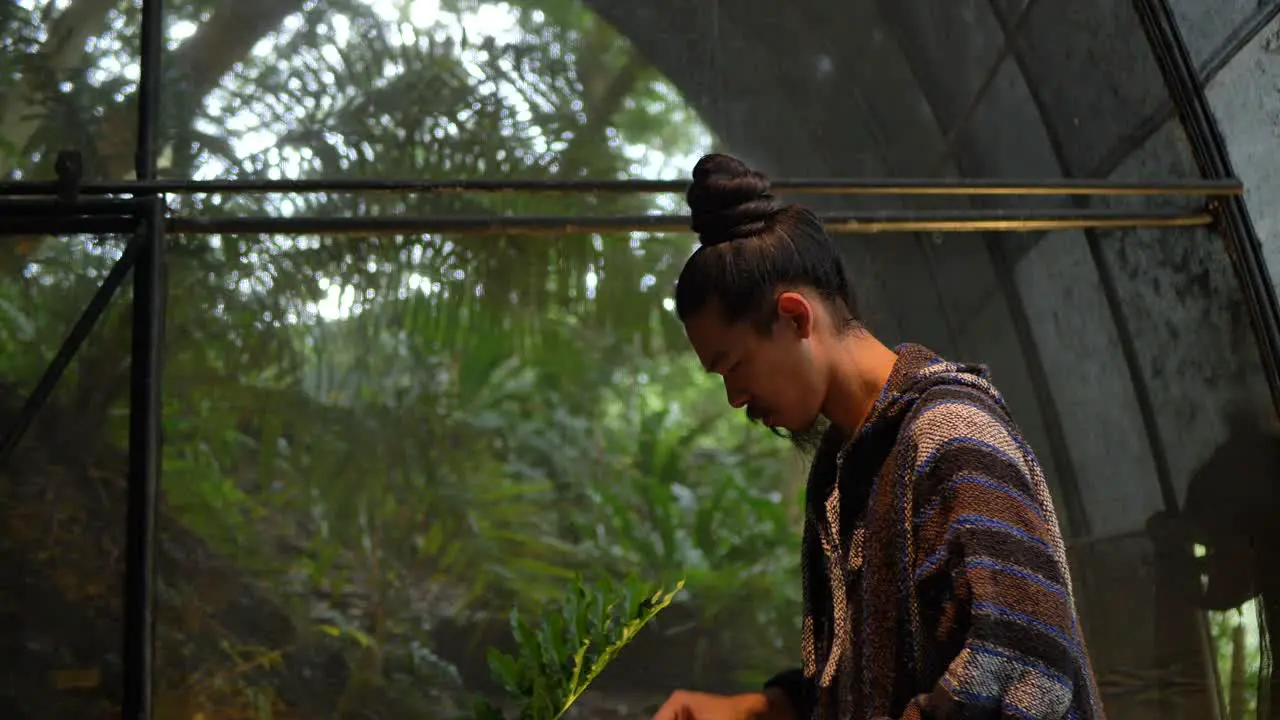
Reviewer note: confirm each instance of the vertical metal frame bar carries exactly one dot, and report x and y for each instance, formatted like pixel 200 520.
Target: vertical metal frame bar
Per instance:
pixel 1209 149
pixel 144 466
pixel 144 388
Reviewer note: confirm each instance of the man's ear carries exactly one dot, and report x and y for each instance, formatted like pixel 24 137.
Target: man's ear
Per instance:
pixel 795 310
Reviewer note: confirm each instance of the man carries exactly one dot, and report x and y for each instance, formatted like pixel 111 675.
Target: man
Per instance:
pixel 935 578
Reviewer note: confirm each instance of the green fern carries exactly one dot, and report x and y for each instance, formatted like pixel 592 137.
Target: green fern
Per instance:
pixel 556 660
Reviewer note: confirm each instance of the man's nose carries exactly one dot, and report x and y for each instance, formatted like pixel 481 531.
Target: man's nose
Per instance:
pixel 737 399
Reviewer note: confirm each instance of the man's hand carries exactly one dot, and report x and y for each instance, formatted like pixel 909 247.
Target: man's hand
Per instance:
pixel 689 705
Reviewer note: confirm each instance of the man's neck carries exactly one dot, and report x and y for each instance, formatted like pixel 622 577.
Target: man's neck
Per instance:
pixel 859 373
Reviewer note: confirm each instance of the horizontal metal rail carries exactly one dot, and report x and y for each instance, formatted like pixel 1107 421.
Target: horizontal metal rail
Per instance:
pixel 871 222
pixel 950 221
pixel 39 207
pixel 829 186
pixel 69 225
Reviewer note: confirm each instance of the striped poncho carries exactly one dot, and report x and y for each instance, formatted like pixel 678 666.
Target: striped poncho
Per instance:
pixel 935 578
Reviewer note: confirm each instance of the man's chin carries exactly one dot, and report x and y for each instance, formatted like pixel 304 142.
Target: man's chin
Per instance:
pixel 807 438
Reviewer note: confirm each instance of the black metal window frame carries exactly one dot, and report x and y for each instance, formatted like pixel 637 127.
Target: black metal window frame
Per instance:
pixel 138 208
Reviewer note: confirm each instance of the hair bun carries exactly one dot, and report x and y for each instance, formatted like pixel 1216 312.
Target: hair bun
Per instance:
pixel 728 200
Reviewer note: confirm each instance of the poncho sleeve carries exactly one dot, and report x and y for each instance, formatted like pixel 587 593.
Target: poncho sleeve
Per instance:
pixel 984 518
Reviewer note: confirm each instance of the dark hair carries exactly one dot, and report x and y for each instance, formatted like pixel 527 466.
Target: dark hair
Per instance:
pixel 753 247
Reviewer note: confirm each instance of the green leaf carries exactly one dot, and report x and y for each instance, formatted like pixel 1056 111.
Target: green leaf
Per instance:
pixel 575 641
pixel 506 670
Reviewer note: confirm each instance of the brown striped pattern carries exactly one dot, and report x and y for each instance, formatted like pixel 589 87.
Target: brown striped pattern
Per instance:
pixel 935 577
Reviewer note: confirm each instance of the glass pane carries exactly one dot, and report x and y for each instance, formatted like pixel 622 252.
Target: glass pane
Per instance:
pixel 68 77
pixel 1213 432
pixel 415 89
pixel 483 89
pixel 1214 32
pixel 381 445
pixel 62 491
pixel 1246 112
pixel 394 443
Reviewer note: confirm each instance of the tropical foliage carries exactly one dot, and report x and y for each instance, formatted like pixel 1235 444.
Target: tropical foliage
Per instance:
pixel 393 440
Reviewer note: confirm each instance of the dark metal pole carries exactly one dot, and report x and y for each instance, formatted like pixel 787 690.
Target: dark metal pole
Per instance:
pixel 818 186
pixel 948 221
pixel 991 220
pixel 38 207
pixel 144 466
pixel 1210 152
pixel 71 225
pixel 144 386
pixel 28 216
pixel 79 332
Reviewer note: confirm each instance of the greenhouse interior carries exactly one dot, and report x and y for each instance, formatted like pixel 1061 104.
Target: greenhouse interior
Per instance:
pixel 339 361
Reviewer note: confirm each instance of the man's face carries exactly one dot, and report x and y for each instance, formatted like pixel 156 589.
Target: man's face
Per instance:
pixel 773 376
